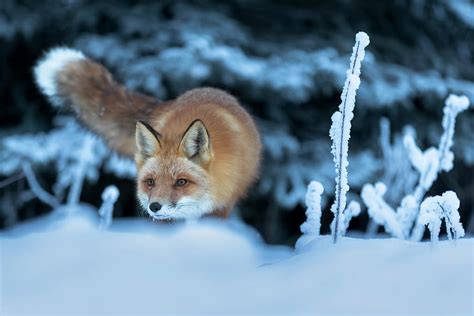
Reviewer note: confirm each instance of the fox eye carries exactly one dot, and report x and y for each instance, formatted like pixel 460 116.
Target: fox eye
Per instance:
pixel 150 182
pixel 181 182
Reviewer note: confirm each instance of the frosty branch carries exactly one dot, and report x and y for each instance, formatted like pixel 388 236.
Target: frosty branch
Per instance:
pixel 429 164
pixel 109 197
pixel 434 209
pixel 40 193
pixel 340 131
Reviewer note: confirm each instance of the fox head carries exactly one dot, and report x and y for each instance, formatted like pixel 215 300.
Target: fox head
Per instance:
pixel 173 181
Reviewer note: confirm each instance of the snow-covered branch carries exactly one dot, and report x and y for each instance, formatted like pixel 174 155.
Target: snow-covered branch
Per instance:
pixel 106 210
pixel 454 105
pixel 36 188
pixel 340 130
pixel 436 160
pixel 352 210
pixel 379 210
pixel 84 160
pixel 312 225
pixel 434 209
pixel 428 164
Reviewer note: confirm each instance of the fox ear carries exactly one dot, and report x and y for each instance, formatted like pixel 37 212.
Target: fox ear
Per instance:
pixel 147 140
pixel 195 144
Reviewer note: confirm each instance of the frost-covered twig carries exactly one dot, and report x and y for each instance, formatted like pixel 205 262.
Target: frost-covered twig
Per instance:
pixel 454 105
pixel 434 161
pixel 352 210
pixel 11 179
pixel 434 209
pixel 340 129
pixel 109 197
pixel 379 210
pixel 428 164
pixel 42 194
pixel 407 213
pixel 86 155
pixel 312 225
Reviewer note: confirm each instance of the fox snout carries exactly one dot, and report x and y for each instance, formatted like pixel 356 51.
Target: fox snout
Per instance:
pixel 155 207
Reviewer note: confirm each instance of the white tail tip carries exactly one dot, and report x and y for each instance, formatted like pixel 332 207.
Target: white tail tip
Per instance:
pixel 46 70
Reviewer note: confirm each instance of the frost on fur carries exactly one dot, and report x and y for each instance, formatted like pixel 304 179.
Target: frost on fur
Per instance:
pixel 48 68
pixel 434 209
pixel 340 130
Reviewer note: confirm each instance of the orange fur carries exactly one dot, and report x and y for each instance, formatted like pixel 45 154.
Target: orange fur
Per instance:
pixel 227 168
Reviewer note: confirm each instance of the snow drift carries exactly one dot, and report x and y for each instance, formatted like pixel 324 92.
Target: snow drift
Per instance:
pixel 68 266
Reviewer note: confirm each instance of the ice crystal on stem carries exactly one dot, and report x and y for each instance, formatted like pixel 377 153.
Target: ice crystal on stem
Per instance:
pixel 341 127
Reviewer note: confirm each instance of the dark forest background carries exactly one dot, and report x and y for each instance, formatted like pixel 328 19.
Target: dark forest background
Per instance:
pixel 286 62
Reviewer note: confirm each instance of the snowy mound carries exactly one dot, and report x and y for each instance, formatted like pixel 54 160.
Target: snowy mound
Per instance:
pixel 214 267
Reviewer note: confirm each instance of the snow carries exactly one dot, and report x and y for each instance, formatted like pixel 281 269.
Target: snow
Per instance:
pixel 47 69
pixel 68 266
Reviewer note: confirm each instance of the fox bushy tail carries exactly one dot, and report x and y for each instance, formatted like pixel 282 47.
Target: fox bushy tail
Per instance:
pixel 69 79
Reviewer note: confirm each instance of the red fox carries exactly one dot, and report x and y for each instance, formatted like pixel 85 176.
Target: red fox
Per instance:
pixel 196 155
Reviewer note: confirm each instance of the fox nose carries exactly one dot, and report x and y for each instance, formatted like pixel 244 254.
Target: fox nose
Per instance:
pixel 155 207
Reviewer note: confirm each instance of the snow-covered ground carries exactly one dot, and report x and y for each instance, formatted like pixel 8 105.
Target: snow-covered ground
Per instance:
pixel 68 266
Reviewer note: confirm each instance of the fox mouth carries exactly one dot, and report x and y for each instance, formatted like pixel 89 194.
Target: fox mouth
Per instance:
pixel 157 216
pixel 172 212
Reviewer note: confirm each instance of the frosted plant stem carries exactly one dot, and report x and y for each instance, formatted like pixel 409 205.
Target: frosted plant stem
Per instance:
pixel 11 179
pixel 76 188
pixel 434 209
pixel 453 106
pixel 40 193
pixel 312 225
pixel 372 228
pixel 106 210
pixel 443 144
pixel 340 129
pixel 340 169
